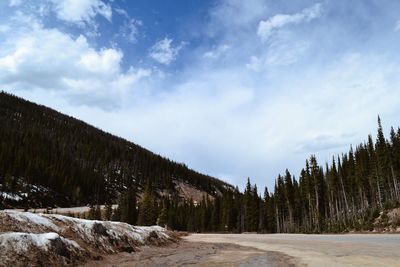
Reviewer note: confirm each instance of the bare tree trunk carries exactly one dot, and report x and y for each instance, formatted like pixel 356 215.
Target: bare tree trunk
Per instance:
pixel 290 216
pixel 344 194
pixel 379 192
pixel 317 205
pixel 278 227
pixel 310 209
pixel 338 217
pixel 394 183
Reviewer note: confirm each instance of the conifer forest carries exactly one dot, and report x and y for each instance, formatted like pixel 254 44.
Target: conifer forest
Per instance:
pixel 56 160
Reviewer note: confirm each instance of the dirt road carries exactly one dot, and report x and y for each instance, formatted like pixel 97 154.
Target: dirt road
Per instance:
pixel 197 254
pixel 319 250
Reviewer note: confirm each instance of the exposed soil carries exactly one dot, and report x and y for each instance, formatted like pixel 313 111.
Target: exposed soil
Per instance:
pixel 195 254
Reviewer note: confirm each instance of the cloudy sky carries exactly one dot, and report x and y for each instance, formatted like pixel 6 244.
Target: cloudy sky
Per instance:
pixel 232 88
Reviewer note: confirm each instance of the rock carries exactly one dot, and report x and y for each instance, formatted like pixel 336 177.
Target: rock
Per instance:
pixel 99 229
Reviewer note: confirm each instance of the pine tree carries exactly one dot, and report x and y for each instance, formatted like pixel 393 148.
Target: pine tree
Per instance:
pixel 248 207
pixel 266 212
pixel 127 211
pixel 190 217
pixel 289 194
pixel 163 217
pixel 148 208
pixel 255 221
pixel 108 211
pixel 94 212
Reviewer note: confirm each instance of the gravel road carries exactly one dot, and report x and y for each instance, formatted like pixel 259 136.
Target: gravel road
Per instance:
pixel 319 250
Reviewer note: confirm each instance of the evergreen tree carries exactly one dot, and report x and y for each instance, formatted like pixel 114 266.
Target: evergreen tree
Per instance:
pixel 148 208
pixel 108 211
pixel 94 212
pixel 163 217
pixel 127 211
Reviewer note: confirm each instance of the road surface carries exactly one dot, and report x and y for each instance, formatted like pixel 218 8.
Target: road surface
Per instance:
pixel 319 250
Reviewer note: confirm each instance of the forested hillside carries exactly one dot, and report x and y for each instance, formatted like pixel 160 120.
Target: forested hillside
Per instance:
pixel 47 159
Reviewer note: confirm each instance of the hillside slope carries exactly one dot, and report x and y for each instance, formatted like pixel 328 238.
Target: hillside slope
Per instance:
pixel 50 159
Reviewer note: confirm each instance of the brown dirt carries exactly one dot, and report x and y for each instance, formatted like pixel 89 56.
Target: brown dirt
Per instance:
pixel 187 192
pixel 195 254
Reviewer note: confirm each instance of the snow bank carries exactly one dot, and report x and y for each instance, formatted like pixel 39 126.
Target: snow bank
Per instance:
pixel 32 218
pixel 49 249
pixel 112 236
pixel 65 211
pixel 63 240
pixel 21 242
pixel 10 196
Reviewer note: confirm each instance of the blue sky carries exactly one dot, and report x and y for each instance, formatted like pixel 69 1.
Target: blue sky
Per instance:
pixel 234 89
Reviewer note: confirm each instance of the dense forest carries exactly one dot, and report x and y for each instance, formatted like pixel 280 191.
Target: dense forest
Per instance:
pixel 53 159
pixel 347 194
pixel 68 162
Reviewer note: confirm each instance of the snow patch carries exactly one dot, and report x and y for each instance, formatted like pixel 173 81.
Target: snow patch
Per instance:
pixel 116 230
pixel 32 218
pixel 10 196
pixel 18 242
pixel 39 237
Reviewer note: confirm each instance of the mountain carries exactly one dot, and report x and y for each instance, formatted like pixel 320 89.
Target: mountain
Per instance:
pixel 51 159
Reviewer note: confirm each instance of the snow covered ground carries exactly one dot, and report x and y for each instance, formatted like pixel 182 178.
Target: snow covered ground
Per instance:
pixel 65 211
pixel 10 196
pixel 48 239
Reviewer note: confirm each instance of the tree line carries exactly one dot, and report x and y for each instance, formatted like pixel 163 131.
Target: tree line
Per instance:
pixel 346 194
pixel 57 160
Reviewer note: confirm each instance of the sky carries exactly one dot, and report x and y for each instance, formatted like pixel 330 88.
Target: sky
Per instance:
pixel 232 88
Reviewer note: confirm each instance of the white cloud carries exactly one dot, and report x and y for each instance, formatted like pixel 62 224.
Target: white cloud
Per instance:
pixel 15 3
pixel 81 12
pixel 255 63
pixel 130 27
pixel 31 59
pixel 267 27
pixel 217 52
pixel 286 53
pixel 278 54
pixel 310 94
pixel 234 16
pixel 104 61
pixel 214 120
pixel 163 52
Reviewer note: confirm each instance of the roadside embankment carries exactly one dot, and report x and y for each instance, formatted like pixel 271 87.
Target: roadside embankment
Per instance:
pixel 49 239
